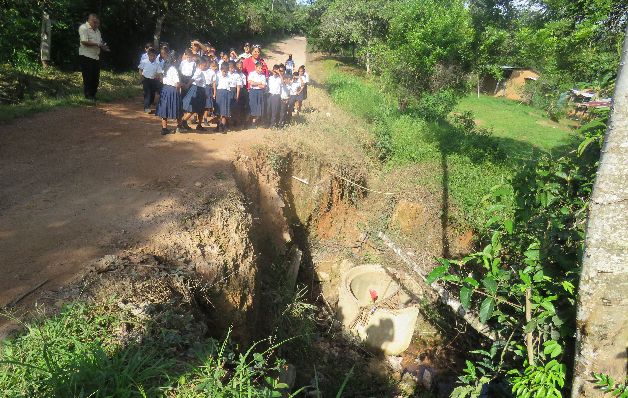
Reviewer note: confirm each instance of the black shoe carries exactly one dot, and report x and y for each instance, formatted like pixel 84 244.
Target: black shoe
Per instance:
pixel 184 126
pixel 200 128
pixel 165 131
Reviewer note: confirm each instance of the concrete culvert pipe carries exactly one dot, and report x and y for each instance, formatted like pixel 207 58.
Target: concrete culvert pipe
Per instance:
pixel 372 306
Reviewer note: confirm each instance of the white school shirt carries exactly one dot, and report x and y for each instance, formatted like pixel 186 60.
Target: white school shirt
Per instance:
pixel 198 79
pixel 222 82
pixel 274 85
pixel 144 57
pixel 285 91
pixel 241 78
pixel 150 69
pixel 305 78
pixel 171 78
pixel 234 79
pixel 294 88
pixel 210 77
pixel 187 67
pixel 255 77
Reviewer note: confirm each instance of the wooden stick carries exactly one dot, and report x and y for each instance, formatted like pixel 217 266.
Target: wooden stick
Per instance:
pixel 443 294
pixel 23 295
pixel 529 337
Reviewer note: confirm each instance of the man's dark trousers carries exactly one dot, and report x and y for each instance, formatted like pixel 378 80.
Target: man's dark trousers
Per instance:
pixel 90 69
pixel 150 87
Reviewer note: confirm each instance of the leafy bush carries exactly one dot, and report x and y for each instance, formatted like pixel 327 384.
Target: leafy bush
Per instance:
pixel 425 38
pixel 530 264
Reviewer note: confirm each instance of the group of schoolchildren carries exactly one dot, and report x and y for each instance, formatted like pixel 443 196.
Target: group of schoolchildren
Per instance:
pixel 204 88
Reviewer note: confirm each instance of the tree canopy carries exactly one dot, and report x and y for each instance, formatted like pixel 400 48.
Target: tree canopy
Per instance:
pixel 127 25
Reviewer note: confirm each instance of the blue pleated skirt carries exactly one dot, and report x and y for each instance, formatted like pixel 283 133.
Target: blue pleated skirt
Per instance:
pixel 209 97
pixel 169 105
pixel 256 102
pixel 223 102
pixel 194 100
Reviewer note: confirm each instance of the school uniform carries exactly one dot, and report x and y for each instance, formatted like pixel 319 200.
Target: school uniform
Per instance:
pixel 150 81
pixel 305 79
pixel 187 69
pixel 294 94
pixel 194 99
pixel 243 103
pixel 236 79
pixel 289 67
pixel 169 106
pixel 285 115
pixel 274 99
pixel 256 94
pixel 223 95
pixel 210 78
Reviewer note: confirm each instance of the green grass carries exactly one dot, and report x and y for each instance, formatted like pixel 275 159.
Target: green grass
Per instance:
pixel 84 352
pixel 467 161
pixel 523 128
pixel 37 90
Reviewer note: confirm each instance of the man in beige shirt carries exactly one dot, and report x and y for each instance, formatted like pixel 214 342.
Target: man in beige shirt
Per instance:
pixel 89 55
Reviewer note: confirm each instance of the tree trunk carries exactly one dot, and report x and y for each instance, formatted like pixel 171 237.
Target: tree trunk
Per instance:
pixel 46 39
pixel 157 35
pixel 602 319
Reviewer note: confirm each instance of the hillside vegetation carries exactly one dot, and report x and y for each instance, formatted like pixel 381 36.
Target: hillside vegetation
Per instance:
pixel 521 181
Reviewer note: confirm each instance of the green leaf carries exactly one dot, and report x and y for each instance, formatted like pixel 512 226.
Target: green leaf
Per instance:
pixel 530 326
pixel 584 144
pixel 568 286
pixel 548 306
pixel 490 285
pixel 552 348
pixel 471 281
pixel 532 254
pixel 486 309
pixel 465 297
pixel 525 278
pixel 436 273
pixel 509 226
pixel 451 278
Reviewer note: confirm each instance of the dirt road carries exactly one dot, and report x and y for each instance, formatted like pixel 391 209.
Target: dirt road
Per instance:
pixel 79 183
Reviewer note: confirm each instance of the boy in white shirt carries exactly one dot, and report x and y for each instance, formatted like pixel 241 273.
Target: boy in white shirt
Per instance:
pixel 274 97
pixel 150 71
pixel 296 88
pixel 144 56
pixel 210 78
pixel 285 115
pixel 187 67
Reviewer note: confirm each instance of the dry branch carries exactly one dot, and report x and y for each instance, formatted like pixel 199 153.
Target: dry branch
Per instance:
pixel 443 294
